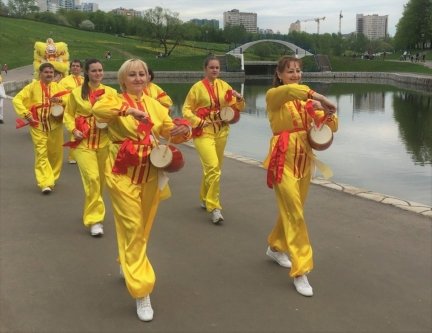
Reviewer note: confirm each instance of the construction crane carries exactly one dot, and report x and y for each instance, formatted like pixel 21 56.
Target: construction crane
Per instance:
pixel 317 20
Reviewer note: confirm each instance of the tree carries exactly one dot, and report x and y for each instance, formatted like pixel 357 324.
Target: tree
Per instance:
pixel 87 25
pixel 414 29
pixel 73 17
pixel 164 25
pixel 22 8
pixel 4 10
pixel 235 34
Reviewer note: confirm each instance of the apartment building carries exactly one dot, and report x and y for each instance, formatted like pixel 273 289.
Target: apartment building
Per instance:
pixel 235 18
pixel 372 26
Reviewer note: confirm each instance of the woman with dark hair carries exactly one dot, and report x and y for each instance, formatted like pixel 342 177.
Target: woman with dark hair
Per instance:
pixel 135 124
pixel 291 109
pixel 90 143
pixel 202 108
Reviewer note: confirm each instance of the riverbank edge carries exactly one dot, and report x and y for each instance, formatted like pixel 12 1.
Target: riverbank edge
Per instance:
pixel 412 206
pixel 412 80
pixel 404 80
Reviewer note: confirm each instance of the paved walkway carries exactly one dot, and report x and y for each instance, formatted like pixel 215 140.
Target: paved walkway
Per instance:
pixel 373 267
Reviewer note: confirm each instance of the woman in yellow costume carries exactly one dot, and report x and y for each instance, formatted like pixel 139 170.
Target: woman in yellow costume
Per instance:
pixel 70 82
pixel 136 187
pixel 90 143
pixel 34 103
pixel 291 108
pixel 202 108
pixel 156 92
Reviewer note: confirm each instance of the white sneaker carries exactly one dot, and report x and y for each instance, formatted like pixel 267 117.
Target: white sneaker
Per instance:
pixel 121 272
pixel 144 308
pixel 96 230
pixel 72 162
pixel 280 257
pixel 216 216
pixel 203 205
pixel 302 285
pixel 47 190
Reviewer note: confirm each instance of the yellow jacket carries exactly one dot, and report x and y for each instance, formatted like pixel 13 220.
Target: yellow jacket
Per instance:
pixel 287 115
pixel 71 81
pixel 78 107
pixel 199 97
pixel 156 92
pixel 35 96
pixel 122 128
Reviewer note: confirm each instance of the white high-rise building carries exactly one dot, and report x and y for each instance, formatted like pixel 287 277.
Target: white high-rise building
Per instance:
pixel 89 7
pixel 55 5
pixel 372 26
pixel 295 26
pixel 247 20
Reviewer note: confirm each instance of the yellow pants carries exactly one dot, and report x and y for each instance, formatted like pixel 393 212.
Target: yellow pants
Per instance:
pixel 71 156
pixel 91 163
pixel 48 148
pixel 211 148
pixel 134 208
pixel 290 232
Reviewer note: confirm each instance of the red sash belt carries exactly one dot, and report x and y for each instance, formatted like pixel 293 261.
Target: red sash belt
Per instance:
pixel 127 155
pixel 277 159
pixel 82 126
pixel 202 113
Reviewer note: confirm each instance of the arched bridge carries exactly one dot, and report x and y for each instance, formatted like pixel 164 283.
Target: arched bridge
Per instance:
pixel 299 52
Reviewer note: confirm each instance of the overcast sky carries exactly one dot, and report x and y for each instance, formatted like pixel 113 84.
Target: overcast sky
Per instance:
pixel 276 14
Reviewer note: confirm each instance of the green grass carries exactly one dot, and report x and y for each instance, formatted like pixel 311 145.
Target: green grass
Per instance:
pixel 17 38
pixel 348 64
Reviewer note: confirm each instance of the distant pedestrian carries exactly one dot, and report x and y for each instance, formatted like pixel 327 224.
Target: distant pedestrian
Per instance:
pixel 5 68
pixel 2 97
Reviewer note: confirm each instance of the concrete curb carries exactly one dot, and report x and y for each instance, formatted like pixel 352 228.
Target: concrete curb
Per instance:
pixel 411 206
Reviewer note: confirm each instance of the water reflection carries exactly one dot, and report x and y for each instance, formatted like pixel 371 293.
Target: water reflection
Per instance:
pixel 414 116
pixel 384 142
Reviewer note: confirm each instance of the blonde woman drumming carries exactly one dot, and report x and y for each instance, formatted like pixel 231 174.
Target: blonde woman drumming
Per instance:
pixel 291 110
pixel 90 144
pixel 136 187
pixel 201 107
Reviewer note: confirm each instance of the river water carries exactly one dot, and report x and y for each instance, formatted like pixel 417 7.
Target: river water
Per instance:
pixel 384 141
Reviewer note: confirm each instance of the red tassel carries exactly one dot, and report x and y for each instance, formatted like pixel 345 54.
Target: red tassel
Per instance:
pixel 228 95
pixel 126 156
pixel 20 123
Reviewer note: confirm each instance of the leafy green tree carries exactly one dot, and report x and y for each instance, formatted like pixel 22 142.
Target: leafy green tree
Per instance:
pixel 165 26
pixel 414 29
pixel 87 25
pixel 22 8
pixel 47 17
pixel 235 34
pixel 73 17
pixel 4 10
